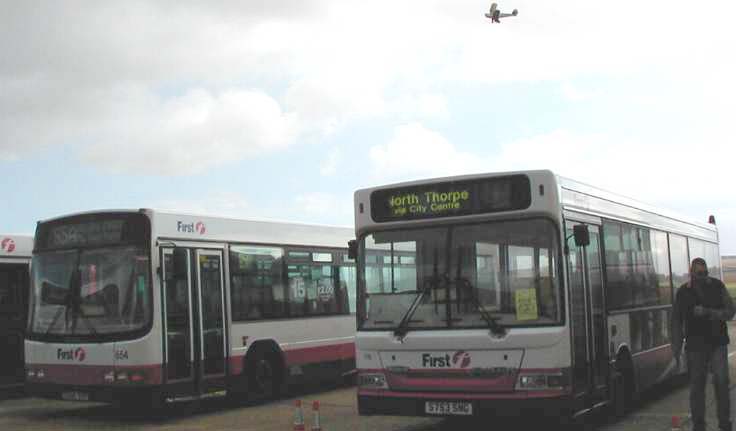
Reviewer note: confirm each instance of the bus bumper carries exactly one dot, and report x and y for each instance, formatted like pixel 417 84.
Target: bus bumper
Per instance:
pixel 141 395
pixel 407 404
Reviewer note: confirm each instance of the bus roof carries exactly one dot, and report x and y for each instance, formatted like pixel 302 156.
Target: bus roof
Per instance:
pixel 573 195
pixel 179 226
pixel 581 197
pixel 15 245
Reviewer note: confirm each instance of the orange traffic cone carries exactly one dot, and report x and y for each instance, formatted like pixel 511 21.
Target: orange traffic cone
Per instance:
pixel 298 416
pixel 676 423
pixel 316 425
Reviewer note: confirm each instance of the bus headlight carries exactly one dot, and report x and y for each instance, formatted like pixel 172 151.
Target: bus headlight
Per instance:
pixel 372 381
pixel 530 382
pixel 122 377
pixel 35 373
pixel 126 377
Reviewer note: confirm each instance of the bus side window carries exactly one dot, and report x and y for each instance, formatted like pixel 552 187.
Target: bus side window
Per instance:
pixel 348 281
pixel 257 287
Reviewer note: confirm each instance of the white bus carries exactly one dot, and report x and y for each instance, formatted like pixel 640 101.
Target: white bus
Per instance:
pixel 15 257
pixel 151 306
pixel 502 293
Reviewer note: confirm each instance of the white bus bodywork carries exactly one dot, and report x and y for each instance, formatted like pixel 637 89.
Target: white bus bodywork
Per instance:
pixel 104 370
pixel 584 361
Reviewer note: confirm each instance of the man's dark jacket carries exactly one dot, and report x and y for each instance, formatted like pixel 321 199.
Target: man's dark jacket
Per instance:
pixel 701 333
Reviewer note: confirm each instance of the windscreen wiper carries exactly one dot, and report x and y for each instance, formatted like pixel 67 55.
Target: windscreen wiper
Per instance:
pixel 57 315
pixel 403 327
pixel 428 285
pixel 491 321
pixel 87 321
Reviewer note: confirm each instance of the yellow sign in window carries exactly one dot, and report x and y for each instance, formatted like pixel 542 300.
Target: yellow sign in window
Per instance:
pixel 526 304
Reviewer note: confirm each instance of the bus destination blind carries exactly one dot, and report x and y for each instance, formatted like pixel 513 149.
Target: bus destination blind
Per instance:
pixel 450 199
pixel 86 231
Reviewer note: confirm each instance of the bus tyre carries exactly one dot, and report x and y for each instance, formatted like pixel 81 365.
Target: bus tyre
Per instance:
pixel 264 376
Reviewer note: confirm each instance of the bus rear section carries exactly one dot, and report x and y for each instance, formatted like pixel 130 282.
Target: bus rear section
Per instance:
pixel 91 332
pixel 15 256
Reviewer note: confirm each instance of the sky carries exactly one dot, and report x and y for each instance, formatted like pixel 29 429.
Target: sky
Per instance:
pixel 282 109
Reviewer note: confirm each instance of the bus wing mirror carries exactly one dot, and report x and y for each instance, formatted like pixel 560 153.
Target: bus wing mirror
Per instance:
pixel 180 262
pixel 581 234
pixel 352 249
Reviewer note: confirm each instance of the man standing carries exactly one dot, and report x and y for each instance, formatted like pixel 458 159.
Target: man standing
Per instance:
pixel 702 307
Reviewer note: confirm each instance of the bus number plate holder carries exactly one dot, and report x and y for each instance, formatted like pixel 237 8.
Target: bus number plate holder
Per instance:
pixel 455 408
pixel 75 396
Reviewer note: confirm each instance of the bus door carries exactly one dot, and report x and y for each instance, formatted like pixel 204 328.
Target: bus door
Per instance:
pixel 195 330
pixel 590 356
pixel 212 334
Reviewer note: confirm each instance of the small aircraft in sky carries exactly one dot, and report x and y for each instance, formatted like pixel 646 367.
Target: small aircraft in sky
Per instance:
pixel 495 15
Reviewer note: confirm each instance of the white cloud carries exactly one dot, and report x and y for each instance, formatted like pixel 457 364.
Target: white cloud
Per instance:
pixel 189 134
pixel 331 162
pixel 219 204
pixel 330 62
pixel 325 204
pixel 72 80
pixel 431 106
pixel 576 94
pixel 415 151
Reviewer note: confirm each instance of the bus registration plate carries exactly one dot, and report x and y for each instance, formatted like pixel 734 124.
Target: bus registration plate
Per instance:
pixel 448 408
pixel 75 396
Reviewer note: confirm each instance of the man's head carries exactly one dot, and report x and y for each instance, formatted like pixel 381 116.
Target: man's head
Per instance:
pixel 699 269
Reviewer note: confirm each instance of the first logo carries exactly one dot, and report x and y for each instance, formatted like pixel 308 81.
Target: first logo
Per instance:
pixel 8 245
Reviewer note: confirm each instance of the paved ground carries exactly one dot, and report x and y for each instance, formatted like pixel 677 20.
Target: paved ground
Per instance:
pixel 338 414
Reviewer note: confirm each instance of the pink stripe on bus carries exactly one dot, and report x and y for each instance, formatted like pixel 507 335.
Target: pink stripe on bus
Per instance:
pixel 516 395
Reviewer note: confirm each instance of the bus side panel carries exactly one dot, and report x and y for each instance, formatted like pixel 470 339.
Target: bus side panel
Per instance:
pixel 318 347
pixel 650 343
pixel 555 357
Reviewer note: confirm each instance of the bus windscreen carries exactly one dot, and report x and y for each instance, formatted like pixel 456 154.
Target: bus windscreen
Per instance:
pixel 452 198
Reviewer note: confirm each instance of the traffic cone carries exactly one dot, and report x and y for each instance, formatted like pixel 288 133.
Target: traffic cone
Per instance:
pixel 316 425
pixel 676 423
pixel 298 416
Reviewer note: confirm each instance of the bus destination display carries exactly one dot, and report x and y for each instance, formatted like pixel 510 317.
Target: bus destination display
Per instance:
pixel 85 232
pixel 80 234
pixel 453 198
